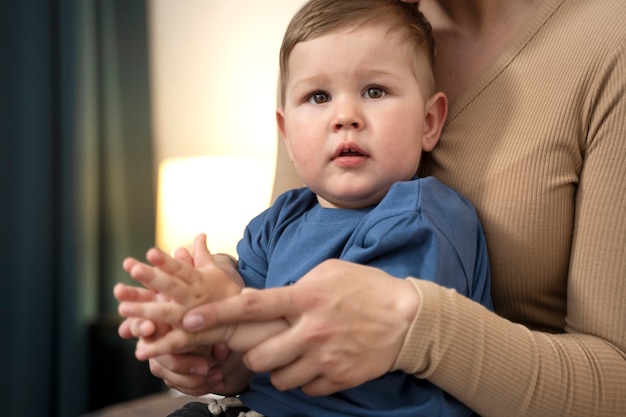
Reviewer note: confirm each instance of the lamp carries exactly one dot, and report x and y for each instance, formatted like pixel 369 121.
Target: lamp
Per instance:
pixel 216 195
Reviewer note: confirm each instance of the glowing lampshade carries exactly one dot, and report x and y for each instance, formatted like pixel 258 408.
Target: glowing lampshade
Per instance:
pixel 213 195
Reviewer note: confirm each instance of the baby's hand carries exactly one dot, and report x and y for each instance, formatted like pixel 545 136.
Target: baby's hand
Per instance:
pixel 183 285
pixel 139 327
pixel 136 326
pixel 172 287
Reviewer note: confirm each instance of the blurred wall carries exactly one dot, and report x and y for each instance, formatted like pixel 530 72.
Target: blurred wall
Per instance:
pixel 214 70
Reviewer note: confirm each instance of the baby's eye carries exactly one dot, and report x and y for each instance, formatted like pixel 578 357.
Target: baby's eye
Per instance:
pixel 374 92
pixel 319 97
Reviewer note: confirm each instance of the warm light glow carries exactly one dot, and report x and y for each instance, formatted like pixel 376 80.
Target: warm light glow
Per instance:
pixel 213 195
pixel 213 73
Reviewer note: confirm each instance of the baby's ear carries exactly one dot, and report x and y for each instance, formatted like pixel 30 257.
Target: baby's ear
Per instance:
pixel 435 114
pixel 280 122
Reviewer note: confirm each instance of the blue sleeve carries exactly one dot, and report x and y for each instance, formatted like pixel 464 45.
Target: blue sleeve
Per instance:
pixel 425 230
pixel 255 248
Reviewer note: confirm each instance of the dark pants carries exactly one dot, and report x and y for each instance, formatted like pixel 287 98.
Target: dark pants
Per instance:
pixel 225 407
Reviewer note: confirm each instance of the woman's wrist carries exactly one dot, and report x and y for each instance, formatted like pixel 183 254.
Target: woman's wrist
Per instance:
pixel 410 304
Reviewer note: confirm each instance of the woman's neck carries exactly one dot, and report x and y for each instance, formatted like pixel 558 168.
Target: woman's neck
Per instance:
pixel 475 18
pixel 470 35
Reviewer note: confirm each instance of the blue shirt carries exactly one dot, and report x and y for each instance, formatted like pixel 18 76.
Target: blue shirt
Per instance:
pixel 421 229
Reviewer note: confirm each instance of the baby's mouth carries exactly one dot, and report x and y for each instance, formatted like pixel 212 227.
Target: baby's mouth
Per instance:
pixel 350 156
pixel 350 152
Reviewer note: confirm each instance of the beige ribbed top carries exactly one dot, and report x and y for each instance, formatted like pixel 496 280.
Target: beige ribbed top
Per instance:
pixel 538 144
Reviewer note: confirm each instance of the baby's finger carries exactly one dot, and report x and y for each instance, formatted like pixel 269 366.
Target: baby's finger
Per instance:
pixel 183 255
pixel 124 330
pixel 141 327
pixel 201 256
pixel 161 282
pixel 128 263
pixel 180 269
pixel 128 293
pixel 171 313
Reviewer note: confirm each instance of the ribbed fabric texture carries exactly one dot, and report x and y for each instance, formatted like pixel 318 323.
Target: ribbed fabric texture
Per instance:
pixel 538 144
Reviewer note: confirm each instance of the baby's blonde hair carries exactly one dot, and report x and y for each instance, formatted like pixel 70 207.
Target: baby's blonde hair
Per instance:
pixel 321 17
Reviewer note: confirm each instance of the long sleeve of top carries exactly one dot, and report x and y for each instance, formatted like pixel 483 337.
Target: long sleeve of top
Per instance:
pixel 538 145
pixel 421 229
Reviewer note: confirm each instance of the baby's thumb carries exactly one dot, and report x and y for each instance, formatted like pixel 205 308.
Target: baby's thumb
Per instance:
pixel 201 255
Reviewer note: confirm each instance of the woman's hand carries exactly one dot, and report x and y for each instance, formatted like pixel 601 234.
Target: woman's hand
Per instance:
pixel 347 325
pixel 196 373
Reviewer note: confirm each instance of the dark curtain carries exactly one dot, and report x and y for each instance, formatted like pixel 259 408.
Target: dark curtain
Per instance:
pixel 77 195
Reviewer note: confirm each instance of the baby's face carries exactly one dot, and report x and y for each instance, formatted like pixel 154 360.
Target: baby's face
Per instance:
pixel 353 117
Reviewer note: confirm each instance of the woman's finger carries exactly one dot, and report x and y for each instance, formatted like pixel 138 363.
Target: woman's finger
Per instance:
pixel 265 357
pixel 249 306
pixel 187 373
pixel 174 342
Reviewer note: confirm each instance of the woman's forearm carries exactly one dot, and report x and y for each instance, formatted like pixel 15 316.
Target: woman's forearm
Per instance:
pixel 499 368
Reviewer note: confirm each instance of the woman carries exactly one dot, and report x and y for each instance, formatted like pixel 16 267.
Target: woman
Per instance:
pixel 536 139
